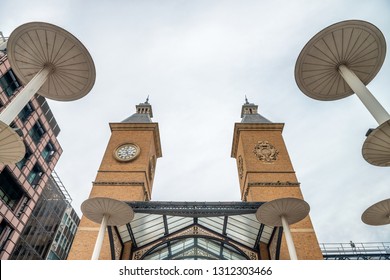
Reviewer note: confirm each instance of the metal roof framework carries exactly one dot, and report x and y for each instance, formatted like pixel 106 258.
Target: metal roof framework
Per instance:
pixel 195 230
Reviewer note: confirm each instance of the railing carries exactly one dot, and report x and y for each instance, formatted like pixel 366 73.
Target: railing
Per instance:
pixel 3 41
pixel 61 186
pixel 356 251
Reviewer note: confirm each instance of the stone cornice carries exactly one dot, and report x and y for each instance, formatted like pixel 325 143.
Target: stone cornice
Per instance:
pixel 274 184
pixel 277 184
pixel 131 183
pixel 118 183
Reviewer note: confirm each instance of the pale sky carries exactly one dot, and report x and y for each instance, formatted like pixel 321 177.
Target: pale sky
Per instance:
pixel 197 60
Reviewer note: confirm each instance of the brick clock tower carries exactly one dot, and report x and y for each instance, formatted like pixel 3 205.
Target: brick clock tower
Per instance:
pixel 266 173
pixel 126 173
pixel 127 170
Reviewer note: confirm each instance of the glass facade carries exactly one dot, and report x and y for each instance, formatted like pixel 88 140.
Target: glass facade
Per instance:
pixel 65 235
pixel 39 233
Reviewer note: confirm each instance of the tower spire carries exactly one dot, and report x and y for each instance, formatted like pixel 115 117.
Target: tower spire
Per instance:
pixel 249 113
pixel 143 114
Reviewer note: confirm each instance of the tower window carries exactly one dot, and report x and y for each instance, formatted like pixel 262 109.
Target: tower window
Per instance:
pixel 9 83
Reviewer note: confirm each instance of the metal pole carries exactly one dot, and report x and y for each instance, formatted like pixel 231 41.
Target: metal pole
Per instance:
pixel 289 240
pixel 373 106
pixel 22 98
pixel 100 238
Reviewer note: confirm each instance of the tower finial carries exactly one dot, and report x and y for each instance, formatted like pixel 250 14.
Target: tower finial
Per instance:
pixel 147 100
pixel 246 100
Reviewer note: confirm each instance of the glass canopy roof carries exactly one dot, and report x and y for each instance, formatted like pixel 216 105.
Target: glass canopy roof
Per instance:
pixel 195 230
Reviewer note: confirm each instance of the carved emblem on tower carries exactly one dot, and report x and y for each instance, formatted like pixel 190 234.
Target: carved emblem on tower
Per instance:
pixel 265 152
pixel 240 166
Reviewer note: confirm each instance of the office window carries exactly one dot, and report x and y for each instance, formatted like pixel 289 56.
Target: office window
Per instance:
pixel 48 152
pixel 35 175
pixel 26 112
pixel 9 83
pixel 36 132
pixel 10 190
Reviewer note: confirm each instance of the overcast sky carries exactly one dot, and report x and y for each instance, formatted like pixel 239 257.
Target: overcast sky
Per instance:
pixel 197 60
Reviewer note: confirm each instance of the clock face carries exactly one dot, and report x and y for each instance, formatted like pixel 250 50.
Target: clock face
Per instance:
pixel 127 152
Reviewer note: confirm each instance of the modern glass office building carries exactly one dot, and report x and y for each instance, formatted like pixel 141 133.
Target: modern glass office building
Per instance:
pixel 32 204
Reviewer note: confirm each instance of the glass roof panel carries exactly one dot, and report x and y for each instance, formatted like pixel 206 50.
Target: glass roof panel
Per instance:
pixel 249 220
pixel 243 229
pixel 231 255
pixel 141 219
pixel 213 223
pixel 266 234
pixel 181 244
pixel 152 234
pixel 124 233
pixel 160 254
pixel 147 228
pixel 176 223
pixel 211 246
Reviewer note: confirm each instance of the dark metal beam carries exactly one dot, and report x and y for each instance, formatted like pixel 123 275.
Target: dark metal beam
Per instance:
pixel 165 225
pixel 225 222
pixel 258 237
pixel 195 209
pixel 128 226
pixel 111 239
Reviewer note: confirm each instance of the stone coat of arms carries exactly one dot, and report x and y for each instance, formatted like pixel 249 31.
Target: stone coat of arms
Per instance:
pixel 264 151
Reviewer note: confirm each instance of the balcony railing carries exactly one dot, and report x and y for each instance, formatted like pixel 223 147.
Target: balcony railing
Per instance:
pixel 356 251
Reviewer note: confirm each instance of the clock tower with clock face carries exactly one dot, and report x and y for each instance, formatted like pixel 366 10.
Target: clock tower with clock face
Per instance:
pixel 126 173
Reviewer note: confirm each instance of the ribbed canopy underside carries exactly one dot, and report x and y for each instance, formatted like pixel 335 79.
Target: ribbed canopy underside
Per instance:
pixel 12 148
pixel 293 209
pixel 118 212
pixel 35 45
pixel 376 148
pixel 377 214
pixel 359 45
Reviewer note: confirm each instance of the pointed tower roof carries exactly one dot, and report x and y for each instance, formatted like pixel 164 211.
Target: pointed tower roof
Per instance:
pixel 144 113
pixel 249 114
